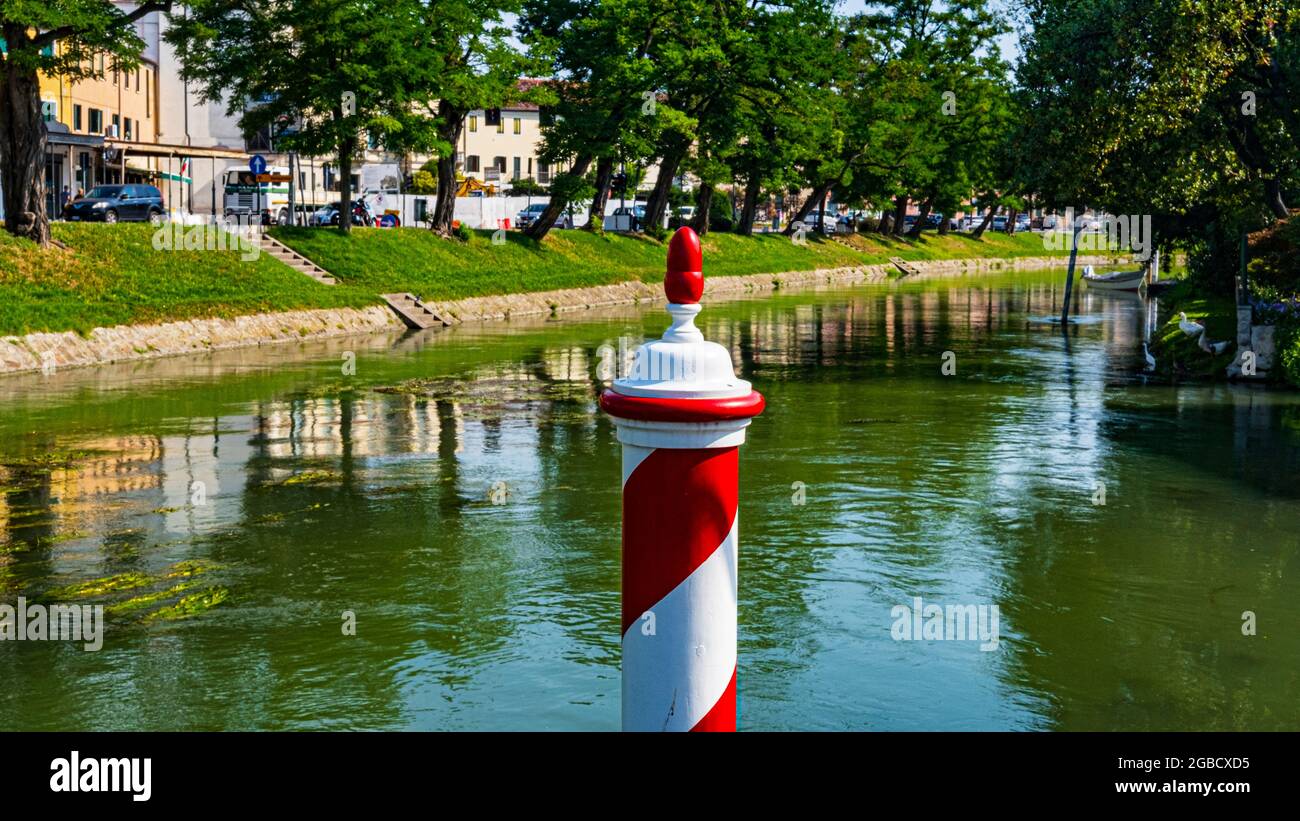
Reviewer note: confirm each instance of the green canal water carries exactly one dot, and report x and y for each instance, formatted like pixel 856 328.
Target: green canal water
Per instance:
pixel 228 510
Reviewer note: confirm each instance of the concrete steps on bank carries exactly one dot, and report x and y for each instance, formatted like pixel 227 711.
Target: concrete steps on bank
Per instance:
pixel 295 260
pixel 906 267
pixel 413 311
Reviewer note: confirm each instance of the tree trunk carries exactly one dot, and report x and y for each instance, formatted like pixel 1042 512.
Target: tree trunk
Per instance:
pixel 345 185
pixel 745 227
pixel 22 148
pixel 452 120
pixel 922 215
pixel 703 205
pixel 900 214
pixel 818 195
pixel 986 222
pixel 944 225
pixel 658 201
pixel 1273 198
pixel 560 197
pixel 604 175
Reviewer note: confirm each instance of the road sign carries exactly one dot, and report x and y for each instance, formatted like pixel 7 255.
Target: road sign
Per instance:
pixel 257 164
pixel 273 178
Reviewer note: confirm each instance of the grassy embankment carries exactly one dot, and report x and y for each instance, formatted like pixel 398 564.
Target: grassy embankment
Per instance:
pixel 1178 354
pixel 112 275
pixel 415 260
pixel 1274 276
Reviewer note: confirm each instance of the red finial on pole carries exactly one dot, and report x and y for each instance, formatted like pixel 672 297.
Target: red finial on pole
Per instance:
pixel 684 281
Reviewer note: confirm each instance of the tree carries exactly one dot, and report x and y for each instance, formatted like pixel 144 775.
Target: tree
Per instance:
pixel 423 182
pixel 333 68
pixel 55 37
pixel 597 51
pixel 785 72
pixel 526 187
pixel 1151 107
pixel 942 84
pixel 471 66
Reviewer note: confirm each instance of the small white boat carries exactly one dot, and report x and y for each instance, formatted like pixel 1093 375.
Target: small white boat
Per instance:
pixel 1117 281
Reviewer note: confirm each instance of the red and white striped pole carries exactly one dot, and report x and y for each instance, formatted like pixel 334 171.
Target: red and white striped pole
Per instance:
pixel 681 415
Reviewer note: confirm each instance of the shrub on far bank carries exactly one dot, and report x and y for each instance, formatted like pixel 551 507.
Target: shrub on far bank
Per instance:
pixel 1274 266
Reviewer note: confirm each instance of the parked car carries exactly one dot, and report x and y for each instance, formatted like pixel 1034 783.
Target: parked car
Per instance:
pixel 325 215
pixel 117 203
pixel 529 215
pixel 999 222
pixel 686 213
pixel 828 226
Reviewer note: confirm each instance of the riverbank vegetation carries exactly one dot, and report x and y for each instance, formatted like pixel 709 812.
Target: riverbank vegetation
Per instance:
pixel 1179 356
pixel 418 261
pixel 111 275
pixel 1190 117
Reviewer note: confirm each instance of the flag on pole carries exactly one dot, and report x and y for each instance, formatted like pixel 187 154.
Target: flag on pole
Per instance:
pixel 183 176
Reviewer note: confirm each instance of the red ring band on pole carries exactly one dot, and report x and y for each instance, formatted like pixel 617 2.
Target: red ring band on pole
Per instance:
pixel 670 409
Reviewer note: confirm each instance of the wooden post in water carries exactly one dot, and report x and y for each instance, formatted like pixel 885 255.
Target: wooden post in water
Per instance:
pixel 1069 274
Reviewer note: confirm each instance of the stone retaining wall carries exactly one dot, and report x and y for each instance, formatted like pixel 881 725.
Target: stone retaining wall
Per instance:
pixel 39 351
pixel 42 351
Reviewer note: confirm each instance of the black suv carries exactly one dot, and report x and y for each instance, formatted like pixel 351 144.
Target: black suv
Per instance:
pixel 117 203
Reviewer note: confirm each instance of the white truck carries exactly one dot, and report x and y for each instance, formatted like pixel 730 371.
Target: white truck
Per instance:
pixel 245 197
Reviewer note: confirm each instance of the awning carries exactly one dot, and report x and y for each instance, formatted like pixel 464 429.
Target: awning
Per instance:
pixel 161 175
pixel 56 133
pixel 164 150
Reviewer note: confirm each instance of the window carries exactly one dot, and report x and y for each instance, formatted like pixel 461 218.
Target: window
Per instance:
pixel 499 163
pixel 492 116
pixel 128 128
pixel 519 125
pixel 517 166
pixel 76 118
pixel 543 172
pixel 148 95
pixel 501 126
pixel 126 79
pixel 137 81
pixel 96 121
pixel 473 122
pixel 117 125
pixel 49 110
pixel 471 164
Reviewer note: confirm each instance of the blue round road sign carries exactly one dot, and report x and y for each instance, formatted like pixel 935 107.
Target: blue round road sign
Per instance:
pixel 257 164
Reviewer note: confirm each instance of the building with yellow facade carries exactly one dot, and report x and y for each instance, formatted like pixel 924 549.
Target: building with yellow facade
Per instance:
pixel 84 116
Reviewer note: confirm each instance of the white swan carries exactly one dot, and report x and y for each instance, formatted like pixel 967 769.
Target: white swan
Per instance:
pixel 1188 327
pixel 1151 360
